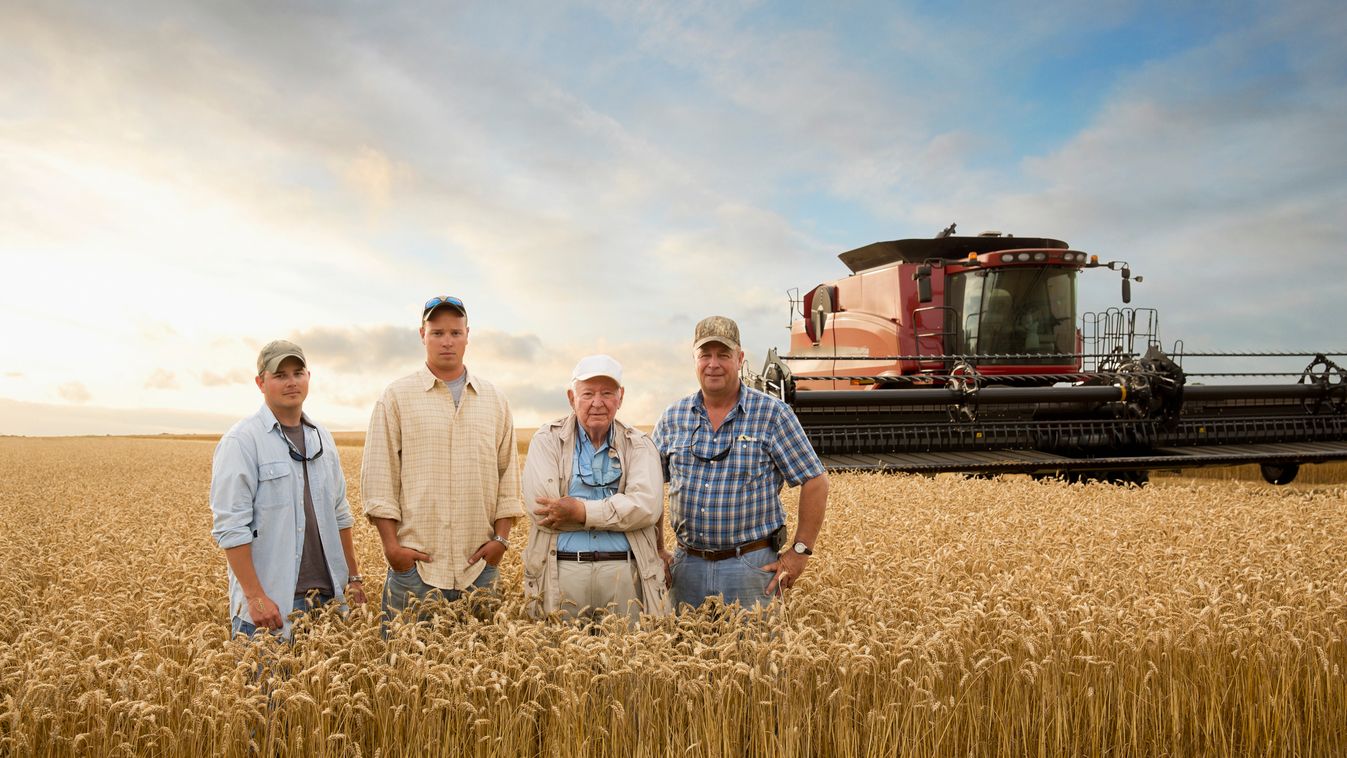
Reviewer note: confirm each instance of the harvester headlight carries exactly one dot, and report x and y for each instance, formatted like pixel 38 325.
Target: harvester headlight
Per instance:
pixel 1040 256
pixel 1023 256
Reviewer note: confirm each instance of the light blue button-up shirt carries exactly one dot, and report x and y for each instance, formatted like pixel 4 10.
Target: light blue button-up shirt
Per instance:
pixel 257 497
pixel 595 474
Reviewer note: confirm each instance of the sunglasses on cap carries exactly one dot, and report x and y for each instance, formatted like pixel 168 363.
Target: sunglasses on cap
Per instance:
pixel 439 300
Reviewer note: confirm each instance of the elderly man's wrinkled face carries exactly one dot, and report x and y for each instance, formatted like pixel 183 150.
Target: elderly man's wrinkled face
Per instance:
pixel 595 402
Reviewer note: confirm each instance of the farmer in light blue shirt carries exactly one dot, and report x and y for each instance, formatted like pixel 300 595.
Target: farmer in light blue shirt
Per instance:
pixel 279 505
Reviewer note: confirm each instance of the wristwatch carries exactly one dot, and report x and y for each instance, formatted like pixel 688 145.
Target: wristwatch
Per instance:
pixel 802 549
pixel 501 540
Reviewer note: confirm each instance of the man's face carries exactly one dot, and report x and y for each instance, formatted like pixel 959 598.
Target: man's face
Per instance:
pixel 595 402
pixel 287 387
pixel 718 367
pixel 445 336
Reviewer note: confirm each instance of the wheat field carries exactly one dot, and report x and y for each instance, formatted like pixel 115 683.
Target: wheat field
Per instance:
pixel 941 617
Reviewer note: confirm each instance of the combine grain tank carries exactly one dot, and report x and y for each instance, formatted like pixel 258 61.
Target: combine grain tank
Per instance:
pixel 965 354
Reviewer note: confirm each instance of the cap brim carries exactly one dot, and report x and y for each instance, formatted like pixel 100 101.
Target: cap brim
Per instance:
pixel 722 340
pixel 596 375
pixel 276 362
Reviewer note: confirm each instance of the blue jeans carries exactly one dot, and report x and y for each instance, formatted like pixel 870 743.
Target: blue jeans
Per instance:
pixel 303 604
pixel 739 580
pixel 401 586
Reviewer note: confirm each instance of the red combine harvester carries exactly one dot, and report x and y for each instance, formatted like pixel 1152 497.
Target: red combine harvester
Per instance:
pixel 963 354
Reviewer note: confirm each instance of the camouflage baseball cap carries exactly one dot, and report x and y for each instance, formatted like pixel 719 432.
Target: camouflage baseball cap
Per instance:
pixel 276 351
pixel 716 329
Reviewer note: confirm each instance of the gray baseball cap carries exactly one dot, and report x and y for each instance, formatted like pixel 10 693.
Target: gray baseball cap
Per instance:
pixel 276 351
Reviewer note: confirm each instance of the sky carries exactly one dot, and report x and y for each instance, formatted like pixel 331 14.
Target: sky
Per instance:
pixel 181 183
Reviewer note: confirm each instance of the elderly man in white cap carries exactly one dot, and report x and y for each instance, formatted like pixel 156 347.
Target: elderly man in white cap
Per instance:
pixel 594 491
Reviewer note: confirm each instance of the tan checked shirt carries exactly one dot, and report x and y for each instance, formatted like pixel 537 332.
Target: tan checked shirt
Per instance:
pixel 445 474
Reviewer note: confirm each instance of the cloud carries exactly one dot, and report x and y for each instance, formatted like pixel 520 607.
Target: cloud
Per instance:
pixel 75 392
pixel 504 347
pixel 13 374
pixel 227 379
pixel 360 350
pixel 371 173
pixel 162 379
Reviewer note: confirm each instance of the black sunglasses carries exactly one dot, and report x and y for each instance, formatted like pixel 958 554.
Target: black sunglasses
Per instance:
pixel 295 455
pixel 722 455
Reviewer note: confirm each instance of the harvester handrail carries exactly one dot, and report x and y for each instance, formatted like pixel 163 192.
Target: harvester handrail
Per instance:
pixel 1037 356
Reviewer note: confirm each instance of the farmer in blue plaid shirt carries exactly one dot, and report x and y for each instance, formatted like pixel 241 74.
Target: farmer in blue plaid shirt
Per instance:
pixel 727 450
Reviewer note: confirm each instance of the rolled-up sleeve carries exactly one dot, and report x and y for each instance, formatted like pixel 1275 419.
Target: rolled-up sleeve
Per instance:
pixel 233 484
pixel 791 451
pixel 381 466
pixel 508 502
pixel 343 509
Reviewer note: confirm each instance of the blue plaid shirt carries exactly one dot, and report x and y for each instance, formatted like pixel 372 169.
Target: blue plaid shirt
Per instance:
pixel 725 485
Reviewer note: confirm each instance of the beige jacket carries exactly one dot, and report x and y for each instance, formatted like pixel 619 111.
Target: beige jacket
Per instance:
pixel 636 510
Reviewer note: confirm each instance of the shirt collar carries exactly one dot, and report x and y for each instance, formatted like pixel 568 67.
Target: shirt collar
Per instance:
pixel 699 403
pixel 582 439
pixel 428 379
pixel 269 420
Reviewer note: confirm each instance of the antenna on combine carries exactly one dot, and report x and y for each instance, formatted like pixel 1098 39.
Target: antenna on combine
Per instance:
pixel 948 232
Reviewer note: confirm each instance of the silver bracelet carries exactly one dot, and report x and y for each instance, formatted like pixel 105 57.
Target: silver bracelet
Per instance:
pixel 501 540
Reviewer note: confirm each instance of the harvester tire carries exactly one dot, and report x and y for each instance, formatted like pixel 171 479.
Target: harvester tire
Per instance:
pixel 1279 473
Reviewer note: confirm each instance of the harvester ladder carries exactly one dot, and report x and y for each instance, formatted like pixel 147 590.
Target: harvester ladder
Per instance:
pixel 946 334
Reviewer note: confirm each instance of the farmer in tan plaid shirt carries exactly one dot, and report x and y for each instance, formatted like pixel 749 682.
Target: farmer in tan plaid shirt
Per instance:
pixel 439 477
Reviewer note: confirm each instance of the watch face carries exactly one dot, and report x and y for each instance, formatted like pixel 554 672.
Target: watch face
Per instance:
pixel 801 548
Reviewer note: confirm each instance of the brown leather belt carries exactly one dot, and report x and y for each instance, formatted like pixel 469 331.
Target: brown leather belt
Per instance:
pixel 591 557
pixel 720 555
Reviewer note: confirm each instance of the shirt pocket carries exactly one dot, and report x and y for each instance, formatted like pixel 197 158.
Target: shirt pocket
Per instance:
pixel 749 460
pixel 275 484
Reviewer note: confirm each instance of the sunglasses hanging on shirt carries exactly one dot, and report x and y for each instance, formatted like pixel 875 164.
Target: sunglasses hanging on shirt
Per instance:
pixel 297 456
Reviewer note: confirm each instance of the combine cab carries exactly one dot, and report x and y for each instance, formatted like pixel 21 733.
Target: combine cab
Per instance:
pixel 963 354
